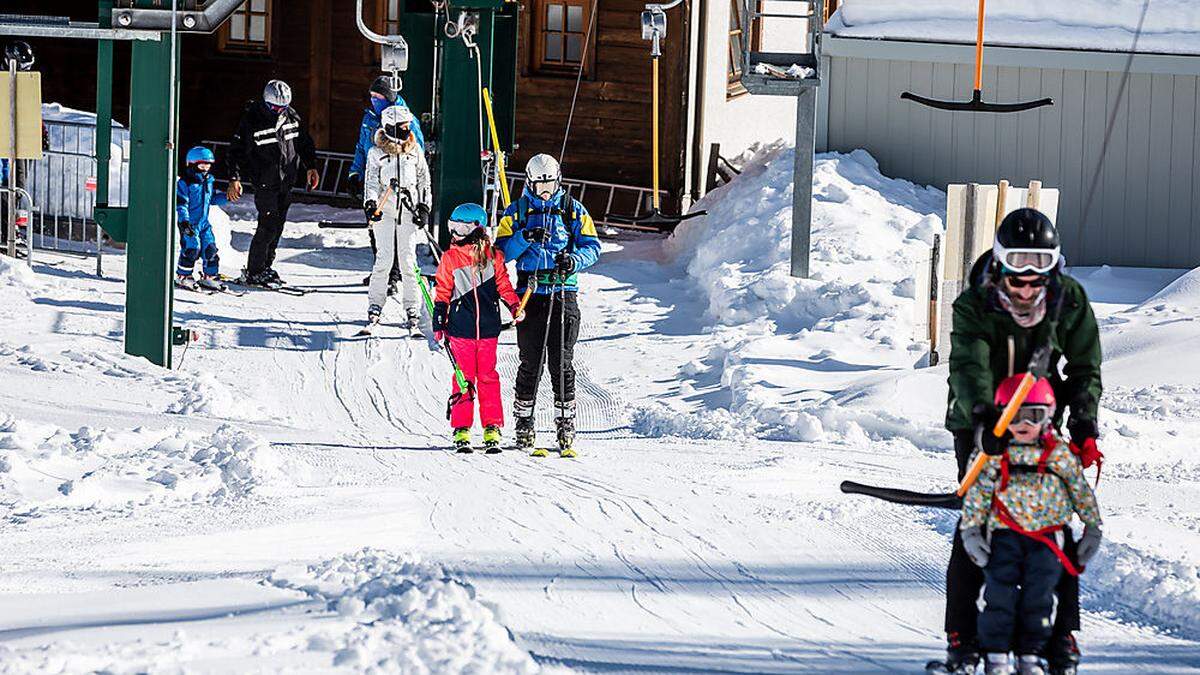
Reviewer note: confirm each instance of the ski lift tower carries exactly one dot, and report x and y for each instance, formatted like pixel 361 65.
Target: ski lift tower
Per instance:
pixel 773 65
pixel 147 225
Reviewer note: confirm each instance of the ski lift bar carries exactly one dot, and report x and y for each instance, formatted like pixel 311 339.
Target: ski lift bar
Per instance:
pixel 976 104
pixel 22 25
pixel 204 20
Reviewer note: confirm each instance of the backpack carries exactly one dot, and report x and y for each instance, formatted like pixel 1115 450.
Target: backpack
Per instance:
pixel 568 215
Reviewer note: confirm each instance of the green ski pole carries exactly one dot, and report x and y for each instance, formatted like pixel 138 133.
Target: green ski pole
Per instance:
pixel 463 385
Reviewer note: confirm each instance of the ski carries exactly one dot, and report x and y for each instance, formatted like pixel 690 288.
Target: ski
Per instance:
pixel 567 453
pixel 195 288
pixel 277 288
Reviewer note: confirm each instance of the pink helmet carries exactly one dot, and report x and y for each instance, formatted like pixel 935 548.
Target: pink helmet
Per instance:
pixel 1041 394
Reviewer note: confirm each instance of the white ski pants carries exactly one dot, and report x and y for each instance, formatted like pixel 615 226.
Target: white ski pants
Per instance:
pixel 391 237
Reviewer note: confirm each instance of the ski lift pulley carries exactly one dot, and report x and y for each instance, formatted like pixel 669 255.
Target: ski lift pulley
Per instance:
pixel 977 104
pixel 654 29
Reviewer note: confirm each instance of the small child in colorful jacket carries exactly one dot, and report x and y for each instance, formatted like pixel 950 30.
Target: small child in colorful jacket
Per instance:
pixel 1014 520
pixel 472 281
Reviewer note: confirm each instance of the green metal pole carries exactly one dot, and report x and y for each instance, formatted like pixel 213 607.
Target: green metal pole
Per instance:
pixel 104 68
pixel 151 233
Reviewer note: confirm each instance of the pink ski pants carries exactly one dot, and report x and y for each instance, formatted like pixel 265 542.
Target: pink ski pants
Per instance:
pixel 477 359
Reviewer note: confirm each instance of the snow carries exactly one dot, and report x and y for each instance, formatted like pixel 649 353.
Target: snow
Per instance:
pixel 283 500
pixel 1168 26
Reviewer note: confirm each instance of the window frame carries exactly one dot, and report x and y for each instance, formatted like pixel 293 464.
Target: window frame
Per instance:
pixel 245 13
pixel 539 11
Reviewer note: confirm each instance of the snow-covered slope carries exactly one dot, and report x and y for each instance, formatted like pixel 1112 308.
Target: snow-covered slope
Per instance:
pixel 1166 26
pixel 283 499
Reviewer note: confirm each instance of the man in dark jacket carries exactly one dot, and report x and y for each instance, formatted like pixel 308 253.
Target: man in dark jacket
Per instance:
pixel 1018 299
pixel 270 148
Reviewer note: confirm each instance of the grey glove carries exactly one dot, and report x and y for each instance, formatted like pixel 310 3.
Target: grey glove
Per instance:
pixel 1089 544
pixel 976 544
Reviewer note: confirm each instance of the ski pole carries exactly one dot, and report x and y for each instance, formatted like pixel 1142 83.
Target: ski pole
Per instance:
pixel 463 385
pixel 545 335
pixel 1006 418
pixel 562 346
pixel 528 293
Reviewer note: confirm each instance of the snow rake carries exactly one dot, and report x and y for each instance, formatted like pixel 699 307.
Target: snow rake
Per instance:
pixel 976 104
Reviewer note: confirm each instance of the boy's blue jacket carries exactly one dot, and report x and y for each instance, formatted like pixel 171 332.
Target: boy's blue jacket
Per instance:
pixel 366 132
pixel 578 238
pixel 194 193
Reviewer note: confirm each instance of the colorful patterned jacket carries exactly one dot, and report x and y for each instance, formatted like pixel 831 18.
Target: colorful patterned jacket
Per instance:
pixel 1040 486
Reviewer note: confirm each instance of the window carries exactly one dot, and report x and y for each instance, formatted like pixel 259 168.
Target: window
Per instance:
pixel 737 37
pixel 391 17
pixel 249 27
pixel 560 28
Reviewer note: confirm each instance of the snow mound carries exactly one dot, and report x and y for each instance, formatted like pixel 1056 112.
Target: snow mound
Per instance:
pixel 207 396
pixel 409 616
pixel 1183 293
pixel 14 273
pixel 1163 592
pixel 48 467
pixel 782 337
pixel 659 420
pixel 222 228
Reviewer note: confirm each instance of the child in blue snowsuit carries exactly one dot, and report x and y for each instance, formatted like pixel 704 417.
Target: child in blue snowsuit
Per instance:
pixel 194 193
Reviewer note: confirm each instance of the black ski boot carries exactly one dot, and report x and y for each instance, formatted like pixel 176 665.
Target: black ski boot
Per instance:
pixel 261 279
pixel 962 658
pixel 565 423
pixel 524 430
pixel 1062 655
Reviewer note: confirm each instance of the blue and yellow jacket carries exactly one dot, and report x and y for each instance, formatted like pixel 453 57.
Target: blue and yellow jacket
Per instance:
pixel 194 193
pixel 578 238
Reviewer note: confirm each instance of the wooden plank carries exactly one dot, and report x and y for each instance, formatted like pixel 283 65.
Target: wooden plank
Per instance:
pixel 1162 105
pixel 1071 134
pixel 941 128
pixel 1135 209
pixel 320 70
pixel 921 121
pixel 1028 128
pixel 1181 216
pixel 1113 187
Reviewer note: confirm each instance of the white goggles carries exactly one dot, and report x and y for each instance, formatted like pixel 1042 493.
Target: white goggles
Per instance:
pixel 460 229
pixel 1026 260
pixel 1033 414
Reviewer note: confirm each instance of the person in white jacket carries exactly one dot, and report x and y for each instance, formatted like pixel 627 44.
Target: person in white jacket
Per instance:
pixel 396 198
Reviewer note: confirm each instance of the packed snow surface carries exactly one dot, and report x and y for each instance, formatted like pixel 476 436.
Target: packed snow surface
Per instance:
pixel 1152 26
pixel 283 500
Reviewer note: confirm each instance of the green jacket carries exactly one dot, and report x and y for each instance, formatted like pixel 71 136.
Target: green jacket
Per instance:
pixel 1035 500
pixel 979 349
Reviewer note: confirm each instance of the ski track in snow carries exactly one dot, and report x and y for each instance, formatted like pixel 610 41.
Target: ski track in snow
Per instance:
pixel 642 555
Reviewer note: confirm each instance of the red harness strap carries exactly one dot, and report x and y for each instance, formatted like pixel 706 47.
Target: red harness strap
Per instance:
pixel 1011 523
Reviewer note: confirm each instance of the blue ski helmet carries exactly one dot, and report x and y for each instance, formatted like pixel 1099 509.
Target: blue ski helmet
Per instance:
pixel 466 218
pixel 200 154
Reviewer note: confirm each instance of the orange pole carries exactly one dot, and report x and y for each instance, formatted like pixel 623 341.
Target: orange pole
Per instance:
pixel 1006 418
pixel 979 51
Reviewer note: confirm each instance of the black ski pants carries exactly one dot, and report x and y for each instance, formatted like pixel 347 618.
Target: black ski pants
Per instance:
pixel 1019 594
pixel 530 334
pixel 272 205
pixel 394 276
pixel 964 578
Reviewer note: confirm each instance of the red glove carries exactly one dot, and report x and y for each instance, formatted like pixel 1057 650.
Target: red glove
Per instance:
pixel 518 314
pixel 439 336
pixel 1088 453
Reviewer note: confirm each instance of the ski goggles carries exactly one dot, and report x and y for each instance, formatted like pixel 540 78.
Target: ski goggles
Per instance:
pixel 399 132
pixel 541 187
pixel 460 228
pixel 1036 415
pixel 1026 260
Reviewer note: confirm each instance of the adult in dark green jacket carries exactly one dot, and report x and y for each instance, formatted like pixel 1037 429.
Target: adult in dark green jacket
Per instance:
pixel 1018 299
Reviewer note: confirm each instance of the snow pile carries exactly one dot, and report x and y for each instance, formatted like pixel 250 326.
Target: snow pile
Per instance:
pixel 781 336
pixel 1168 26
pixel 44 466
pixel 222 228
pixel 1181 294
pixel 1160 591
pixel 16 274
pixel 659 419
pixel 408 616
pixel 204 395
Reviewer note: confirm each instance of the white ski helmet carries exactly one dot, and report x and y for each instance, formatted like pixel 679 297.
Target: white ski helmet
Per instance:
pixel 395 122
pixel 277 93
pixel 543 175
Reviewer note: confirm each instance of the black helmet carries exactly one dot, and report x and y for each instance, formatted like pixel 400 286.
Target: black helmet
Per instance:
pixel 383 86
pixel 19 52
pixel 1026 243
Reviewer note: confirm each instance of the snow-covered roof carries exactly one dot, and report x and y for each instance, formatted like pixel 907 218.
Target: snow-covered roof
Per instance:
pixel 1168 26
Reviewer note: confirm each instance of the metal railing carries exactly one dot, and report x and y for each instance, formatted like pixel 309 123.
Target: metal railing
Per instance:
pixel 601 199
pixel 61 186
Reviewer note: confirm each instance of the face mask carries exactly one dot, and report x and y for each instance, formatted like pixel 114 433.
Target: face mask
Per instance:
pixel 379 104
pixel 403 133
